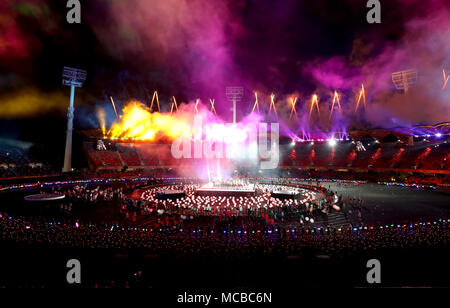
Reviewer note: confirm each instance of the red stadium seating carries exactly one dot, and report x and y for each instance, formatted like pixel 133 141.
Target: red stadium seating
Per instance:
pixel 393 156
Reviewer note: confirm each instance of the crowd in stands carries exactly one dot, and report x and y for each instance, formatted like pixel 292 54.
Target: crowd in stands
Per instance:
pixel 438 180
pixel 376 177
pixel 15 162
pixel 28 169
pixel 232 241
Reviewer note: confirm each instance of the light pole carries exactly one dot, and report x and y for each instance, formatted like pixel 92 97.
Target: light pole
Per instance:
pixel 74 78
pixel 234 94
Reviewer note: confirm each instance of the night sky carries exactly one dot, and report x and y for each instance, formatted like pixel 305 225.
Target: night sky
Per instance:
pixel 194 49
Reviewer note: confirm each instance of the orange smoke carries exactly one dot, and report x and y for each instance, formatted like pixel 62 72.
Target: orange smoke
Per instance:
pixel 138 123
pixel 31 102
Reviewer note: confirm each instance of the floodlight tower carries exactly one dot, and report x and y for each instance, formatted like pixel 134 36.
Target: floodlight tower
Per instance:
pixel 403 80
pixel 234 94
pixel 74 78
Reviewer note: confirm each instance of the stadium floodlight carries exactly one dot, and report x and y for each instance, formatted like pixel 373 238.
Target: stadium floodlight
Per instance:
pixel 234 94
pixel 74 78
pixel 403 80
pixel 332 142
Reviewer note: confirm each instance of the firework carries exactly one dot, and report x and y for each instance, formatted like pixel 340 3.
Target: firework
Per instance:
pixel 335 99
pixel 256 105
pixel 155 96
pixel 293 111
pixel 114 107
pixel 446 77
pixel 272 104
pixel 213 110
pixel 173 104
pixel 196 104
pixel 362 95
pixel 139 123
pixel 314 102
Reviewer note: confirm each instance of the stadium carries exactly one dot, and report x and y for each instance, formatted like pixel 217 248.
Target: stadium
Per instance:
pixel 233 184
pixel 134 194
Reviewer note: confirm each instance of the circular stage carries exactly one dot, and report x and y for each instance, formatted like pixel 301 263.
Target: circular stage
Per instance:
pixel 44 197
pixel 219 200
pixel 358 203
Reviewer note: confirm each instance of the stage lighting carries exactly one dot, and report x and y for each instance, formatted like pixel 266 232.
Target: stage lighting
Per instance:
pixel 332 142
pixel 292 142
pixel 438 135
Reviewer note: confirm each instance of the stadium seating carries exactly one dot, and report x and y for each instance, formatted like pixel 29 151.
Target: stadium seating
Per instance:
pixel 105 158
pixel 16 161
pixel 129 156
pixel 391 156
pixel 426 156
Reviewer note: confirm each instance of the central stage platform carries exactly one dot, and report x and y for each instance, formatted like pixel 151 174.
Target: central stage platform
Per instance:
pixel 213 190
